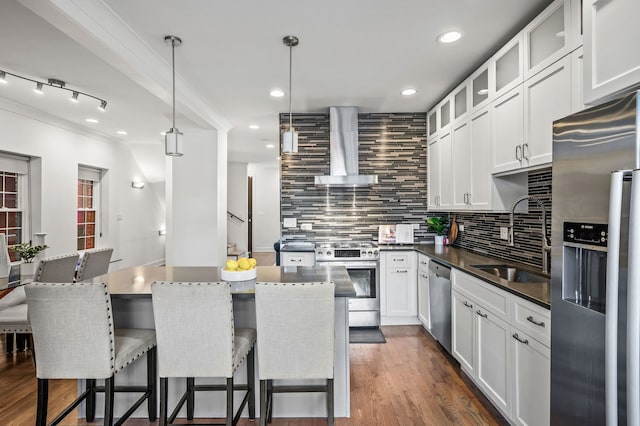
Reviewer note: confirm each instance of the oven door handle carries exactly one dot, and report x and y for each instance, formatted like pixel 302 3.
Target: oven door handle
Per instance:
pixel 349 265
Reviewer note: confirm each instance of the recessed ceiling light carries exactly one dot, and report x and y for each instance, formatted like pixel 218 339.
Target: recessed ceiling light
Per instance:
pixel 277 93
pixel 409 92
pixel 450 37
pixel 91 120
pixel 483 91
pixel 122 132
pixel 254 126
pixel 270 145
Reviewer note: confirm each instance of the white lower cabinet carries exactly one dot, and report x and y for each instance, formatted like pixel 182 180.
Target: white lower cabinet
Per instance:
pixel 423 291
pixel 531 380
pixel 492 339
pixel 399 288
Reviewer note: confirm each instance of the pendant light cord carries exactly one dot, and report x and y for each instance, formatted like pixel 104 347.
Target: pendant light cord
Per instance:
pixel 290 94
pixel 173 68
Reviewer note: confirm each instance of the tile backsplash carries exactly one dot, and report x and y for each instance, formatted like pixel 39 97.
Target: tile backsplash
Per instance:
pixel 392 146
pixel 482 230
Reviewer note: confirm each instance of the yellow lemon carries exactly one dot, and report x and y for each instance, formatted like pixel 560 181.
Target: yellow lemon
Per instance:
pixel 243 263
pixel 232 265
pixel 253 262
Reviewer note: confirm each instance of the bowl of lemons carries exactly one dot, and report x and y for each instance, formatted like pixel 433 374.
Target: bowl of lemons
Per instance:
pixel 243 269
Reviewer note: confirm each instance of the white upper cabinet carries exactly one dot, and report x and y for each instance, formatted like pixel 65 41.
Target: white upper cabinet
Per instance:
pixel 577 66
pixel 445 114
pixel 508 132
pixel 461 101
pixel 480 87
pixel 480 197
pixel 432 125
pixel 611 41
pixel 547 38
pixel 507 66
pixel 461 176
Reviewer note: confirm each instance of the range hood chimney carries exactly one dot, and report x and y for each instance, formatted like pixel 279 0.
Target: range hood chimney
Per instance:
pixel 343 147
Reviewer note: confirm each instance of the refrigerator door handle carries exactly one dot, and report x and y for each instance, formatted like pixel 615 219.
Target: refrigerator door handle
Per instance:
pixel 633 307
pixel 611 307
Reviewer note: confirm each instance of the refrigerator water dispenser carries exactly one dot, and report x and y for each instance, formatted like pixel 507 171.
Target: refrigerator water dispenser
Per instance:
pixel 584 268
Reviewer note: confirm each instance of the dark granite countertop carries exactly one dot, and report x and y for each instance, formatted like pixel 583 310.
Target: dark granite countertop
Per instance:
pixel 136 281
pixel 538 293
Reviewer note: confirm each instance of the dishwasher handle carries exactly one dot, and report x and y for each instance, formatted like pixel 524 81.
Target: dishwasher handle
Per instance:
pixel 439 270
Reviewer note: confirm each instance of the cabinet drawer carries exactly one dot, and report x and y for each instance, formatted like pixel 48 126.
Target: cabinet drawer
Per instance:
pixel 298 259
pixel 398 260
pixel 532 319
pixel 492 298
pixel 423 262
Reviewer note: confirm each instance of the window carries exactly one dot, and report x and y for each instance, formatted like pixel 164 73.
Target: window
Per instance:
pixel 10 212
pixel 87 214
pixel 13 195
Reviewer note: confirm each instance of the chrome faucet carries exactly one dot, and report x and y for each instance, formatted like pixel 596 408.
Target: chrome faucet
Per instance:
pixel 546 246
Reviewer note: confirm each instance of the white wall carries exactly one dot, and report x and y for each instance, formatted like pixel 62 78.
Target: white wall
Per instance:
pixel 266 205
pixel 237 204
pixel 131 218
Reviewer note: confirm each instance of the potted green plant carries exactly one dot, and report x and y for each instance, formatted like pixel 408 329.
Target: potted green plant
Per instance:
pixel 439 226
pixel 28 253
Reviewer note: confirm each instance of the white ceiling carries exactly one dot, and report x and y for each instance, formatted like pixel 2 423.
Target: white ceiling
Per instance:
pixel 357 52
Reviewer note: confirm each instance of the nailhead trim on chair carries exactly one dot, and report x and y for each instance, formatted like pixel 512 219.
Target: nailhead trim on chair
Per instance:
pixel 42 262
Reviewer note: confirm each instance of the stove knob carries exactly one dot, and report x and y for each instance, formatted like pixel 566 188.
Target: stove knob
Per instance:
pixel 370 253
pixel 375 252
pixel 328 252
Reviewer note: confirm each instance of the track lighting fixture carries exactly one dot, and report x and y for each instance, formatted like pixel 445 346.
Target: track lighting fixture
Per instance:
pixel 173 136
pixel 52 82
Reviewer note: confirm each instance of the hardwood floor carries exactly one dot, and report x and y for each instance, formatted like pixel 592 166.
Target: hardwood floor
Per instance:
pixel 409 380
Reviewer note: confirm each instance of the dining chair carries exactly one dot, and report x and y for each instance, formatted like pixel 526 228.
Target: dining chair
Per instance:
pixel 296 340
pixel 73 331
pixel 94 263
pixel 197 339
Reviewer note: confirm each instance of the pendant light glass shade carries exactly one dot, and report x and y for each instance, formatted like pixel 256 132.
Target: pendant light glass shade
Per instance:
pixel 290 137
pixel 173 137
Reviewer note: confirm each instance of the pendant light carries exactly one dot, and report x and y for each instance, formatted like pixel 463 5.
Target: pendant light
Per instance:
pixel 290 137
pixel 173 136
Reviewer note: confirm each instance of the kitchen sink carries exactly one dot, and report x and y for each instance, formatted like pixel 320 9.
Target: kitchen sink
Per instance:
pixel 510 273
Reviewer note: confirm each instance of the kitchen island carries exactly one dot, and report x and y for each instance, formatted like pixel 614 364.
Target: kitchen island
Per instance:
pixel 130 290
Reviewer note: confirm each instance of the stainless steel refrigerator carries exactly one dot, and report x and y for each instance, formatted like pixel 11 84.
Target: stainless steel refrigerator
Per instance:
pixel 595 272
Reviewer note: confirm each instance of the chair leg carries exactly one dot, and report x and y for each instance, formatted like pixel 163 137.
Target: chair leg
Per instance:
pixel 251 382
pixel 43 399
pixel 91 400
pixel 152 400
pixel 330 415
pixel 263 403
pixel 229 421
pixel 9 342
pixel 191 397
pixel 108 401
pixel 164 390
pixel 33 349
pixel 270 399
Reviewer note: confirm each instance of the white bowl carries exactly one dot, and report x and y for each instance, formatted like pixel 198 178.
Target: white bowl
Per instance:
pixel 247 275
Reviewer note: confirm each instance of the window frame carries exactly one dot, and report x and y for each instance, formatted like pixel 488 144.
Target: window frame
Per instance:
pixel 94 175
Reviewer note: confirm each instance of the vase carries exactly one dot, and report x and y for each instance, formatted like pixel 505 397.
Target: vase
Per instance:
pixel 439 239
pixel 27 270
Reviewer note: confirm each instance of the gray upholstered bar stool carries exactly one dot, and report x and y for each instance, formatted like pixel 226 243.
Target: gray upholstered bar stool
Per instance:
pixel 296 339
pixel 197 338
pixel 72 326
pixel 94 263
pixel 56 269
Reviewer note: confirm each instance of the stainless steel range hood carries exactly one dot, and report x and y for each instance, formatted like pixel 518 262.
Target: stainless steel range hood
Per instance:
pixel 343 147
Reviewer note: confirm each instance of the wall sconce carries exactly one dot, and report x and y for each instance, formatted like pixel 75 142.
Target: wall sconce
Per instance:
pixel 137 185
pixel 53 82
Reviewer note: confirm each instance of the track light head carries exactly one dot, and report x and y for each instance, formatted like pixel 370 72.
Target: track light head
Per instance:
pixel 38 89
pixel 3 77
pixel 103 106
pixel 74 97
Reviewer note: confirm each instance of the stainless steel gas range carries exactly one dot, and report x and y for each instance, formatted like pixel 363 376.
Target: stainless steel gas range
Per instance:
pixel 362 261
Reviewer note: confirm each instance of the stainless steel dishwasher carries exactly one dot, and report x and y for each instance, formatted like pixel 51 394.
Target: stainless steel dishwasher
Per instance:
pixel 440 303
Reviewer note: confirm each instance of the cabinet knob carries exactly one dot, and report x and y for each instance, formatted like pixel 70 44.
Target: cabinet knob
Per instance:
pixel 525 151
pixel 401 272
pixel 519 152
pixel 531 320
pixel 467 304
pixel 481 314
